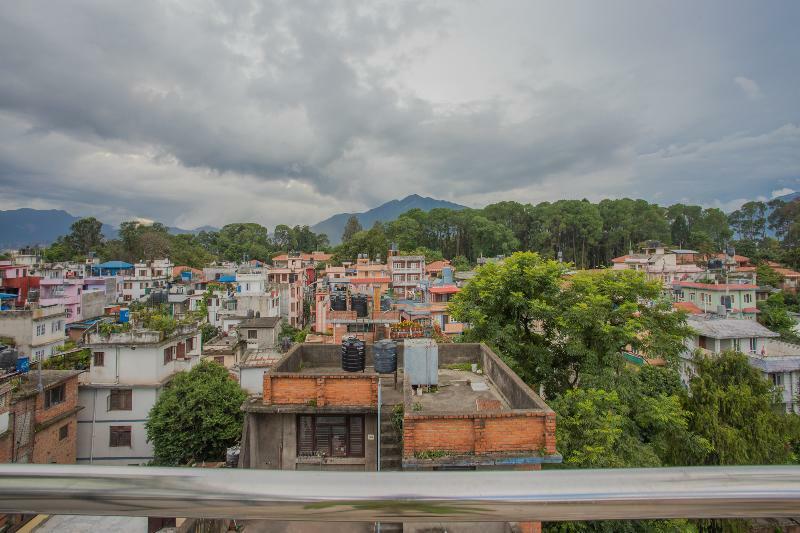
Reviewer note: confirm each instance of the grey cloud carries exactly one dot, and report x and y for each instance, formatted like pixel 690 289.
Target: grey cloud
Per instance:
pixel 270 106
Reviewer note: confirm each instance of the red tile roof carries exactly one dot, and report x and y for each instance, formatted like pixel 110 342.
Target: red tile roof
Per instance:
pixel 620 259
pixel 689 307
pixel 370 280
pixel 444 289
pixel 437 266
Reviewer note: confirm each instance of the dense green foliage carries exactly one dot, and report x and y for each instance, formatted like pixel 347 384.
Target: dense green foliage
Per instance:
pixel 553 330
pixel 351 227
pixel 564 334
pixel 197 417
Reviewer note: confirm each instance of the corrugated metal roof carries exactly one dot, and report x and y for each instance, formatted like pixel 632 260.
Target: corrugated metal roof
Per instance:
pixel 729 328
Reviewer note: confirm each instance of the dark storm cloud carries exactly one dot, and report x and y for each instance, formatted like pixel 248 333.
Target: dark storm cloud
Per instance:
pixel 204 112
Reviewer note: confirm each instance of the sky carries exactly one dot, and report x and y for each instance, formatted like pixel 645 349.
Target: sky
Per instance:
pixel 206 113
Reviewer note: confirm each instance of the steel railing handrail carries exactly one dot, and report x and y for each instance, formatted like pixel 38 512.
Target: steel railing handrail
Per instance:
pixel 708 492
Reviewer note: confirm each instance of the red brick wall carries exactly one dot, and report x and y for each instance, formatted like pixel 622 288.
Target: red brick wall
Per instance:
pixel 49 448
pixel 480 434
pixel 71 401
pixel 360 390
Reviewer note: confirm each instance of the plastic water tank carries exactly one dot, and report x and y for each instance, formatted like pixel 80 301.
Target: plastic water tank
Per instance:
pixel 124 315
pixel 385 356
pixel 353 355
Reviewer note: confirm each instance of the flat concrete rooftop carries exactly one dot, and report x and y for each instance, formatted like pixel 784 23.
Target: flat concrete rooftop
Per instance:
pixel 455 394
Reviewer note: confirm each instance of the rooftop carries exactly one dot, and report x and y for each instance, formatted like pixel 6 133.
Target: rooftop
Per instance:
pixel 728 328
pixel 262 322
pixel 716 286
pixel 29 383
pixel 461 391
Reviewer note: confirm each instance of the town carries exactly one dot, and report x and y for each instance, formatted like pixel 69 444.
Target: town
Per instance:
pixel 386 362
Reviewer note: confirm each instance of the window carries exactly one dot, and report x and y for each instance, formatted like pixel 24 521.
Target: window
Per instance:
pixel 41 329
pixel 737 344
pixel 120 400
pixel 190 344
pixel 748 298
pixel 55 396
pixel 777 379
pixel 330 436
pixel 220 360
pixel 63 432
pixel 119 436
pixel 167 355
pixel 99 358
pixel 252 334
pixel 69 312
pixel 753 342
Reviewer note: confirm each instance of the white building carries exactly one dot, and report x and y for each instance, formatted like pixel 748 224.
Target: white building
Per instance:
pixel 256 295
pixel 128 371
pixel 37 330
pixel 407 274
pixel 146 276
pixel 778 361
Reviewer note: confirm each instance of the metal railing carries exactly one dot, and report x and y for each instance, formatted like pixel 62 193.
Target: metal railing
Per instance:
pixel 714 492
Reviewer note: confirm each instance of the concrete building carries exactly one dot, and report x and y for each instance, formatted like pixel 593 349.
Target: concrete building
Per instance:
pixel 227 351
pixel 128 371
pixel 260 333
pixel 311 415
pixel 729 299
pixel 36 330
pixel 407 273
pixel 779 362
pixel 81 297
pixel 658 264
pixel 143 278
pixel 17 280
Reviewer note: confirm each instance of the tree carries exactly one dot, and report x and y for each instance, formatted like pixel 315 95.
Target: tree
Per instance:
pixel 197 417
pixel 750 221
pixel 735 409
pixel 554 330
pixel 351 227
pixel 85 235
pixel 765 275
pixel 775 316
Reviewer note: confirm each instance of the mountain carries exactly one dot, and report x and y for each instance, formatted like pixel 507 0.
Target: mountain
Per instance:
pixel 333 227
pixel 789 197
pixel 23 227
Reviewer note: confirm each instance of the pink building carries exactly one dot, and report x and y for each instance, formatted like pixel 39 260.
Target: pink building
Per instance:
pixel 81 297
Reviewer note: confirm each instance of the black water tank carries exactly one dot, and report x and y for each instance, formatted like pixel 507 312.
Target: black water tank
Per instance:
pixel 8 359
pixel 338 302
pixel 385 356
pixel 353 355
pixel 359 305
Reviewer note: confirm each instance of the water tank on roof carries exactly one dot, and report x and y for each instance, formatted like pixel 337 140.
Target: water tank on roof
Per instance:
pixel 715 264
pixel 353 355
pixel 385 356
pixel 447 275
pixel 8 359
pixel 358 303
pixel 421 358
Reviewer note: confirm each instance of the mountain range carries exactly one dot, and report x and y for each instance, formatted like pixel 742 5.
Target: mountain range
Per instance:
pixel 29 227
pixel 333 227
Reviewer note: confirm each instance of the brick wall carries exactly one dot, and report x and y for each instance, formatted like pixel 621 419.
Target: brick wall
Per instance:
pixel 479 433
pixel 303 389
pixel 71 401
pixel 50 448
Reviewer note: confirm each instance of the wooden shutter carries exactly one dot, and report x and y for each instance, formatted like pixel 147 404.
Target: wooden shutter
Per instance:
pixel 181 350
pixel 356 437
pixel 305 435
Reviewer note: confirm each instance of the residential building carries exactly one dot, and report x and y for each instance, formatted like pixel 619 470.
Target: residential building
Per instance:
pixel 226 350
pixel 290 283
pixel 657 264
pixel 440 292
pixel 407 273
pixel 731 299
pixel 17 280
pixel 779 362
pixel 256 294
pixel 128 371
pixel 38 422
pixel 145 276
pixel 260 333
pixel 81 297
pixel 714 334
pixel 311 415
pixel 35 330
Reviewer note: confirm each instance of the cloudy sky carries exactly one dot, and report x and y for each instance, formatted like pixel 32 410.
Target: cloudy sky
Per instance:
pixel 196 112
